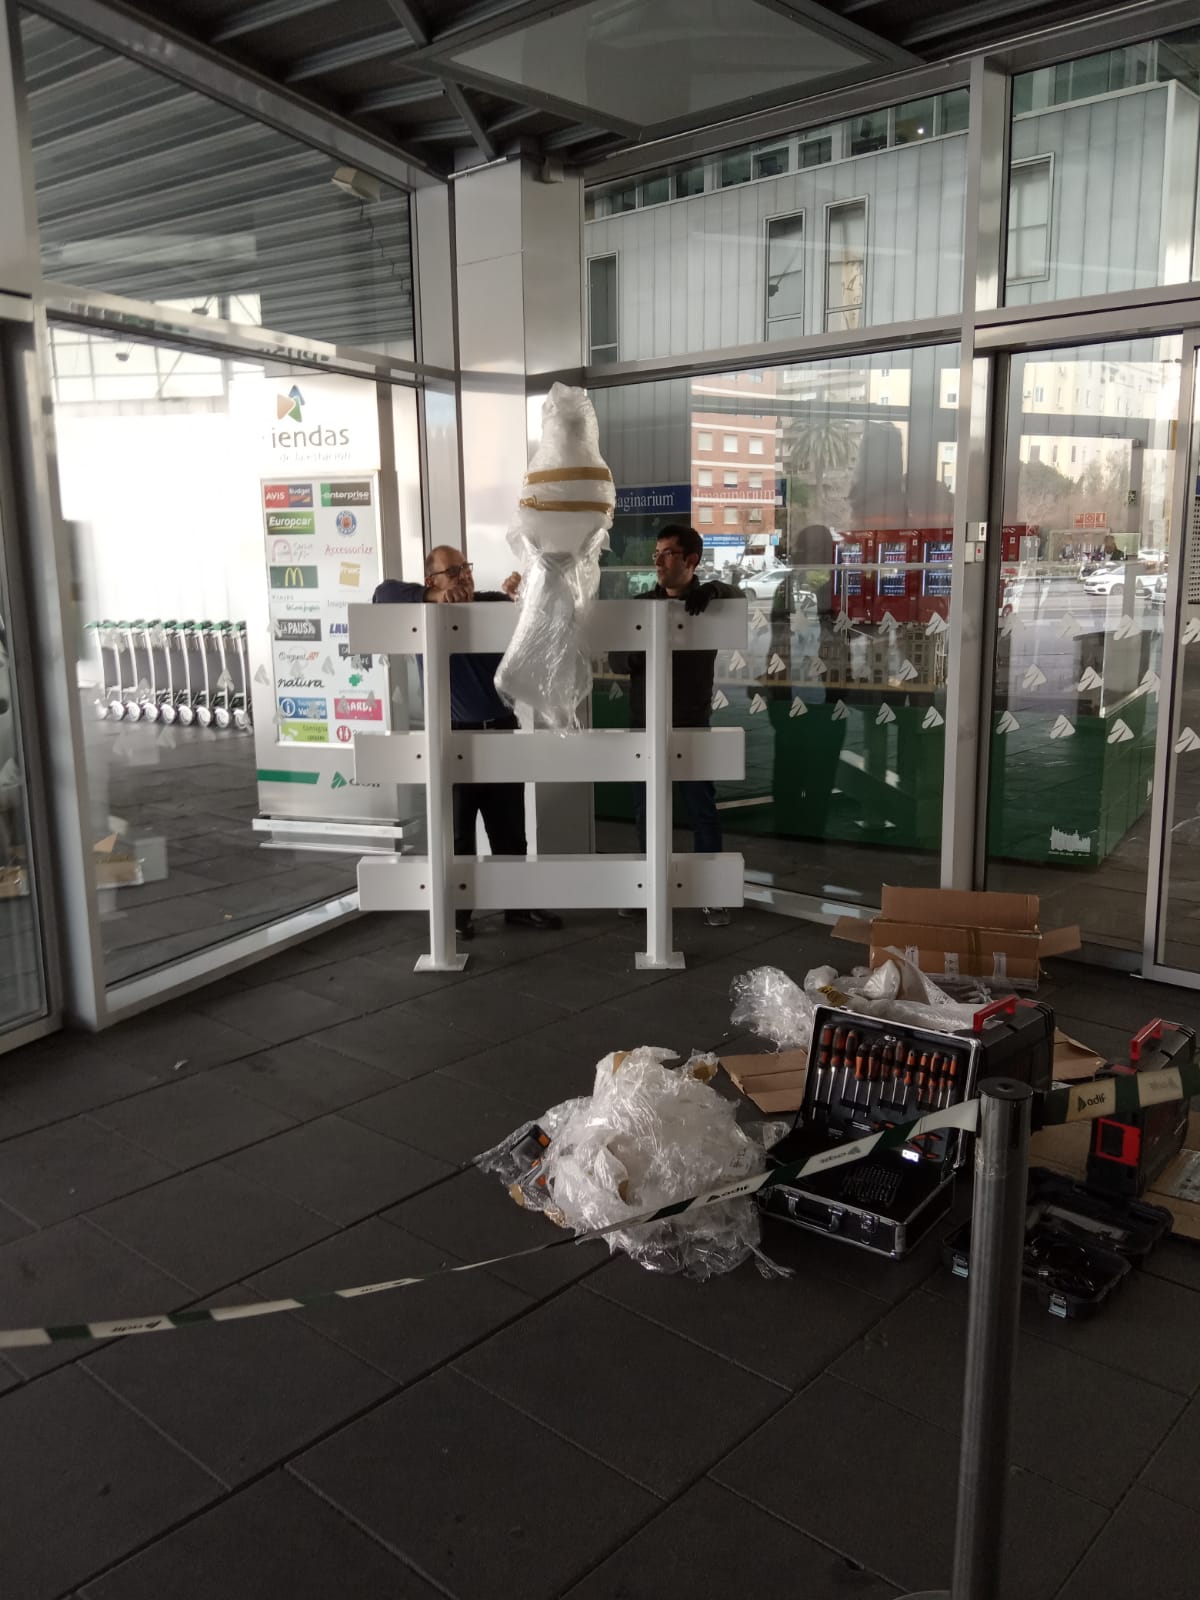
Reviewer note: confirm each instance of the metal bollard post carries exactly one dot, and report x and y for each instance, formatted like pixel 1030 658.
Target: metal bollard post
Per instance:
pixel 993 1309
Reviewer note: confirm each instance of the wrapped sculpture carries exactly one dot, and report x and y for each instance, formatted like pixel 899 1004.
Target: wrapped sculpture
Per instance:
pixel 561 528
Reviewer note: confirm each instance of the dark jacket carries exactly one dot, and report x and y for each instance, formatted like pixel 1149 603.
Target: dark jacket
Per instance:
pixel 691 671
pixel 473 696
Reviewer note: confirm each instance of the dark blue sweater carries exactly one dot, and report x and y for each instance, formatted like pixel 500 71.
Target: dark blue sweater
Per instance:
pixel 473 696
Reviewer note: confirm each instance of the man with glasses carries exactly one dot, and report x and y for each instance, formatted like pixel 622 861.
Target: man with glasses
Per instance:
pixel 677 554
pixel 474 703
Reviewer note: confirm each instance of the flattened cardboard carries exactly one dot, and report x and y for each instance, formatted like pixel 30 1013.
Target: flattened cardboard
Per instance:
pixel 774 1082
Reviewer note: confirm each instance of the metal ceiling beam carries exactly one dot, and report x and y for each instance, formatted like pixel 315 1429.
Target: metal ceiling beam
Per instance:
pixel 537 99
pixel 831 25
pixel 411 19
pixel 987 14
pixel 198 67
pixel 352 53
pixel 267 14
pixel 461 102
pixel 492 21
pixel 397 96
pixel 509 120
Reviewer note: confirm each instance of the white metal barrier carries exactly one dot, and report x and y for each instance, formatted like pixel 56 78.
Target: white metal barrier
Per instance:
pixel 440 757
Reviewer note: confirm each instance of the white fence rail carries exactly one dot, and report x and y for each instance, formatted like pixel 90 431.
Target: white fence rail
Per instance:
pixel 439 757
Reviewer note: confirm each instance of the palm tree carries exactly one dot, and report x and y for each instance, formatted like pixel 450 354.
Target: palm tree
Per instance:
pixel 819 445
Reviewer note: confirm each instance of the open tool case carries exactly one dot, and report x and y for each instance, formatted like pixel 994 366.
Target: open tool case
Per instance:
pixel 866 1073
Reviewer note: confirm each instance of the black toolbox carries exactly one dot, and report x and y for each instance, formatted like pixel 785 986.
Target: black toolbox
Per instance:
pixel 1079 1246
pixel 865 1073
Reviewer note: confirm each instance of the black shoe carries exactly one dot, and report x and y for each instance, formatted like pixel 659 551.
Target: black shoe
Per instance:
pixel 629 911
pixel 545 920
pixel 464 927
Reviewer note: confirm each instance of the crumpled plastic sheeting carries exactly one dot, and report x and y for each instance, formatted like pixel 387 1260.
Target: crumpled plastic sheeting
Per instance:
pixel 561 528
pixel 648 1135
pixel 775 1007
pixel 544 666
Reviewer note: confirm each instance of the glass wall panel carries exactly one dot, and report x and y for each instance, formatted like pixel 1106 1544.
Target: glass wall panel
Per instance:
pixel 1105 167
pixel 22 976
pixel 825 491
pixel 149 190
pixel 695 263
pixel 223 514
pixel 1088 476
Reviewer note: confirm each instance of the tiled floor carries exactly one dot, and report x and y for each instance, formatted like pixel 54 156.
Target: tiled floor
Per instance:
pixel 561 1424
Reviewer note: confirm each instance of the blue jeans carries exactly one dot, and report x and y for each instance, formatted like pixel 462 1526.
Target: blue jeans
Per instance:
pixel 700 803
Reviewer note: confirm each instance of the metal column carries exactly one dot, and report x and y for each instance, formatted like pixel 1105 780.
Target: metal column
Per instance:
pixel 659 920
pixel 439 793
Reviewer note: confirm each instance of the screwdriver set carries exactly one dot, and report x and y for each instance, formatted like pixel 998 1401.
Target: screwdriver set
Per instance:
pixel 866 1074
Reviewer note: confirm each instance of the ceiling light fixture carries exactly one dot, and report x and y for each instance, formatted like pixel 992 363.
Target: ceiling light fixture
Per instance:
pixel 362 185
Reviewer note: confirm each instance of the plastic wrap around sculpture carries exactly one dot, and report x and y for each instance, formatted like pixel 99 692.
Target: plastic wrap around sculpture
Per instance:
pixel 561 528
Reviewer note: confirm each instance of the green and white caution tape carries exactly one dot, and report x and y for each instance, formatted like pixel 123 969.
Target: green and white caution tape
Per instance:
pixel 1116 1096
pixel 1113 1096
pixel 958 1116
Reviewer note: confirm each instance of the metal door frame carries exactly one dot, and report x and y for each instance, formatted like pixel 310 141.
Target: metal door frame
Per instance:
pixel 1159 865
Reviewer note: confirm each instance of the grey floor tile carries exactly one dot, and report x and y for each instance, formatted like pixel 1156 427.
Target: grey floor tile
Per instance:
pixel 274 1538
pixel 192 1121
pixel 338 1169
pixel 712 1542
pixel 1177 1259
pixel 12 1226
pixel 74 1452
pixel 274 1012
pixel 1148 1548
pixel 447 1119
pixel 240 1396
pixel 472 1517
pixel 369 933
pixel 158 1041
pixel 73 1273
pixel 472 1216
pixel 1175 1470
pixel 60 1077
pixel 569 980
pixel 210 1227
pixel 488 1018
pixel 832 1490
pixel 69 1167
pixel 302 1080
pixel 643 1417
pixel 398 1042
pixel 588 1035
pixel 357 986
pixel 529 1073
pixel 406 1332
pixel 785 1329
pixel 1063 1404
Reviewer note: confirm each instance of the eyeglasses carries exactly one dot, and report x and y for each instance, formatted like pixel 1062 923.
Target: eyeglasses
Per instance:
pixel 453 572
pixel 666 555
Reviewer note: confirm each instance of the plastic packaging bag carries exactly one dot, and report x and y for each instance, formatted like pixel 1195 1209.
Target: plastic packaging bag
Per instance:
pixel 648 1135
pixel 561 528
pixel 770 1004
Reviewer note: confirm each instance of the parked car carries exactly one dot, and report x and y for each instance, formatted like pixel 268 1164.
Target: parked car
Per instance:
pixel 762 585
pixel 1110 579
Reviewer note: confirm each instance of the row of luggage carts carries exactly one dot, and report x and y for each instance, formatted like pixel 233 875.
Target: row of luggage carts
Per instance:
pixel 190 673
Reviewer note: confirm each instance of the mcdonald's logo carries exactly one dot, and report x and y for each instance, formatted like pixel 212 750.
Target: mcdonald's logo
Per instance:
pixel 293 577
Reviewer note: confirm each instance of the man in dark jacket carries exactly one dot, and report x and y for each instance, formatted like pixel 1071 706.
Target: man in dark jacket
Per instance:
pixel 474 703
pixel 677 554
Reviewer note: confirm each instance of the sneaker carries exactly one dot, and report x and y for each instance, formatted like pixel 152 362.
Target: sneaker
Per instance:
pixel 629 911
pixel 716 916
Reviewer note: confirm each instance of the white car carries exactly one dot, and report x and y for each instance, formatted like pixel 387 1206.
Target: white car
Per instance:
pixel 1106 579
pixel 765 586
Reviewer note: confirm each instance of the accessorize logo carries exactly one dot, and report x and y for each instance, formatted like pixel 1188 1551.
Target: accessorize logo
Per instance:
pixel 337 551
pixel 303 708
pixel 290 405
pixel 346 494
pixel 293 577
pixel 350 576
pixel 293 523
pixel 303 628
pixel 281 496
pixel 358 708
pixel 345 522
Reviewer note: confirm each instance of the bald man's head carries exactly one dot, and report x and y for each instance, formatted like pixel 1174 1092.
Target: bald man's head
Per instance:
pixel 447 568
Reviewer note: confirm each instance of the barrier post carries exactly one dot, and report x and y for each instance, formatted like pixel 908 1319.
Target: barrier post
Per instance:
pixel 659 919
pixel 443 955
pixel 993 1311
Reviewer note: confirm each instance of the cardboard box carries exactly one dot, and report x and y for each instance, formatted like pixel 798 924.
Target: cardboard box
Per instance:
pixel 958 933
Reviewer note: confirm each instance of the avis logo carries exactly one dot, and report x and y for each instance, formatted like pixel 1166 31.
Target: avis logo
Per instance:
pixel 290 405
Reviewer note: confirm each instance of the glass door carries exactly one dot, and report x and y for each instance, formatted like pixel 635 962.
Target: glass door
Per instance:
pixel 1086 551
pixel 22 968
pixel 1173 916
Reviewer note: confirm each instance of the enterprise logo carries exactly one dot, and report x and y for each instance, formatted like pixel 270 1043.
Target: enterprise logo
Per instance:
pixel 345 494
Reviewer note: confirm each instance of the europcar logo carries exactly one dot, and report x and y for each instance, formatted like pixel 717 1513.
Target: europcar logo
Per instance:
pixel 290 405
